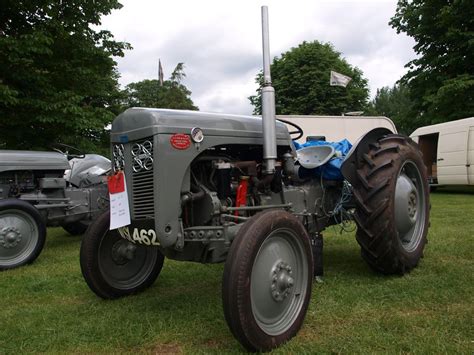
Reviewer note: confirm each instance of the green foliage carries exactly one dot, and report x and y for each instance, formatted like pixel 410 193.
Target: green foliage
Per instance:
pixel 395 103
pixel 301 81
pixel 441 79
pixel 58 81
pixel 149 93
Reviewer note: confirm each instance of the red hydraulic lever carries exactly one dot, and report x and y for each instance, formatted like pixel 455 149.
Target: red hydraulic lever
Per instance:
pixel 241 199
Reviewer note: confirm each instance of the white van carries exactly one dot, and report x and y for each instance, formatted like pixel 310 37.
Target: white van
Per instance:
pixel 448 151
pixel 336 128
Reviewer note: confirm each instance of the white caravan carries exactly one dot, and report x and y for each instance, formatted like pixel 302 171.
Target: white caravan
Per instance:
pixel 448 151
pixel 336 128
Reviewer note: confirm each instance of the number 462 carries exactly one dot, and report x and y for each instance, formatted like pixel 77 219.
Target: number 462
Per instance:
pixel 141 236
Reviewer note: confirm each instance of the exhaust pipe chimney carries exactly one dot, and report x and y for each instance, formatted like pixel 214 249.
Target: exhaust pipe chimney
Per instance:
pixel 268 102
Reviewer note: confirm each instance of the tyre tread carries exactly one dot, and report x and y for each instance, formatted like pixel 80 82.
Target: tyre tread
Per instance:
pixel 373 195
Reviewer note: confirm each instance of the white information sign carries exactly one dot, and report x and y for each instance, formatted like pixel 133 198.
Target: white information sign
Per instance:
pixel 119 208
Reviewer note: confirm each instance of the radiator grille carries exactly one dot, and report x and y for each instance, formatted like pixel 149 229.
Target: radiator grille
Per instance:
pixel 118 158
pixel 142 179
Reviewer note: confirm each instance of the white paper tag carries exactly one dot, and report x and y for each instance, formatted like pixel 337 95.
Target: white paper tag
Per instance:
pixel 119 208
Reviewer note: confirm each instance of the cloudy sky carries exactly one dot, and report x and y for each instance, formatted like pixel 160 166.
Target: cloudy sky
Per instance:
pixel 220 42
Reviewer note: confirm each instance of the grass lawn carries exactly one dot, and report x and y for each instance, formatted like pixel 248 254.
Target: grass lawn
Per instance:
pixel 47 306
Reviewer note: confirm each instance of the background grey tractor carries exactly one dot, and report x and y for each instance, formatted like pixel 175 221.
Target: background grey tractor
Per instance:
pixel 215 188
pixel 39 189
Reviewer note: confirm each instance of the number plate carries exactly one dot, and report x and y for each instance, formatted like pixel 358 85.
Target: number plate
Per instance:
pixel 144 236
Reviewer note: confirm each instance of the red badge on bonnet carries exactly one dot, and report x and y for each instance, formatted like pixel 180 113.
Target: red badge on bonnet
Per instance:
pixel 180 141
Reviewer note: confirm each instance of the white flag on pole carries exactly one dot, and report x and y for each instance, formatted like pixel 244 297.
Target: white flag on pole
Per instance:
pixel 338 79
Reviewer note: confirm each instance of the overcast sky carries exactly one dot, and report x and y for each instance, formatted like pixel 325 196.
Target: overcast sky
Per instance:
pixel 220 42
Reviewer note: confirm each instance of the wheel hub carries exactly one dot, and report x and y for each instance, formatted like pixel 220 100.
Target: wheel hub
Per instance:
pixel 10 237
pixel 123 252
pixel 282 281
pixel 406 205
pixel 412 205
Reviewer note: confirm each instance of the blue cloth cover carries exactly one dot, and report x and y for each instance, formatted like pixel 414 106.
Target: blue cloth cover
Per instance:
pixel 332 169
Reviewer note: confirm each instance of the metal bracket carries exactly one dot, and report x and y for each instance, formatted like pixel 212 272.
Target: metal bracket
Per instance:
pixel 180 237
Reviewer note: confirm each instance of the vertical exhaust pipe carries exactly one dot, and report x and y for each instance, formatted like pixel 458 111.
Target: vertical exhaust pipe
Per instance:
pixel 268 102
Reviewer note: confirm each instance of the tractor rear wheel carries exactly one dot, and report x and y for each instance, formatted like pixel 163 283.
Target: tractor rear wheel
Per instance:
pixel 22 233
pixel 112 266
pixel 76 228
pixel 267 280
pixel 392 198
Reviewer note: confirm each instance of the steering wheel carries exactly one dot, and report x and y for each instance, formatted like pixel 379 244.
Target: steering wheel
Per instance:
pixel 65 149
pixel 299 131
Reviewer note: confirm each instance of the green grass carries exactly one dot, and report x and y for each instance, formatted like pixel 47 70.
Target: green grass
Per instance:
pixel 47 307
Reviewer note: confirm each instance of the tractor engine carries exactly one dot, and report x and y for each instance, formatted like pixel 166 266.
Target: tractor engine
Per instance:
pixel 227 184
pixel 13 183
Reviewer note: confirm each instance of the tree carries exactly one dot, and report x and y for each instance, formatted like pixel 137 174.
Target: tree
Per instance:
pixel 149 93
pixel 301 81
pixel 441 79
pixel 58 79
pixel 395 103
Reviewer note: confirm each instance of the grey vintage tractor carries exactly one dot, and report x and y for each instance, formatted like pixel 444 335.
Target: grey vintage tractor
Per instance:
pixel 38 189
pixel 215 188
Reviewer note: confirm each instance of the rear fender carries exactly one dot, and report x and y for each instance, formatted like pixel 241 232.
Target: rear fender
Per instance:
pixel 356 154
pixel 88 170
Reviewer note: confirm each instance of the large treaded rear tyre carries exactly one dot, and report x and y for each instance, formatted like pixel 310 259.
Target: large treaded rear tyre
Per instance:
pixel 22 233
pixel 392 198
pixel 267 280
pixel 112 266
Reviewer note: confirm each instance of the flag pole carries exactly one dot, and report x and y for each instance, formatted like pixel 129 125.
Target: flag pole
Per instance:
pixel 160 72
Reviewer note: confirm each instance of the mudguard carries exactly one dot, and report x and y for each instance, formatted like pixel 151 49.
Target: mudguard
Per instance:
pixel 356 154
pixel 84 171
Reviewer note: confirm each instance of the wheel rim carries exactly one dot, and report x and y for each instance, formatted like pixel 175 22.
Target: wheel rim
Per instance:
pixel 122 264
pixel 279 281
pixel 19 236
pixel 410 206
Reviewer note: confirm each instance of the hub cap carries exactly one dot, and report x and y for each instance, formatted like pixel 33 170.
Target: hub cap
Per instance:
pixel 282 282
pixel 10 237
pixel 410 206
pixel 278 281
pixel 122 252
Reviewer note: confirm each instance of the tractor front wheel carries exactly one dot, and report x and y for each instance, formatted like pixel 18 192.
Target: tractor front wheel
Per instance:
pixel 112 266
pixel 392 198
pixel 22 233
pixel 267 280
